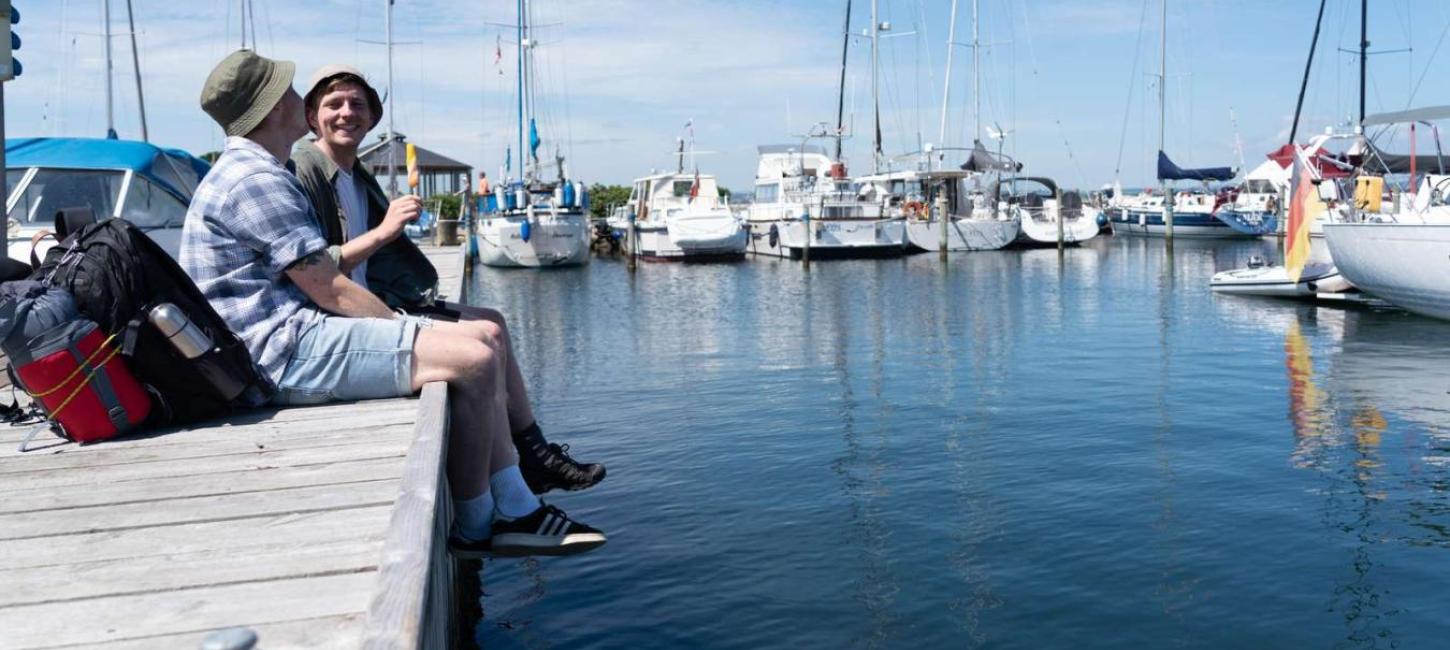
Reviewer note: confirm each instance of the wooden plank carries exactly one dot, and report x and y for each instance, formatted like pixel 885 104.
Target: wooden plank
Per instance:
pixel 174 487
pixel 271 419
pixel 128 576
pixel 243 442
pixel 234 535
pixel 381 446
pixel 397 613
pixel 325 633
pixel 188 610
pixel 96 519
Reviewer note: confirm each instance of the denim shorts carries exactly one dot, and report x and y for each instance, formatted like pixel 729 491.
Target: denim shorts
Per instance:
pixel 345 359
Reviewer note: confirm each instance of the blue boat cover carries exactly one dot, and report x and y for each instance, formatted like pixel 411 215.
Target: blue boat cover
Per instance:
pixel 1167 171
pixel 172 169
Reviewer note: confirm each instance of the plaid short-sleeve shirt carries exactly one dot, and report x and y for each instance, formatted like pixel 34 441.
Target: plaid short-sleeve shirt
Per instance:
pixel 248 221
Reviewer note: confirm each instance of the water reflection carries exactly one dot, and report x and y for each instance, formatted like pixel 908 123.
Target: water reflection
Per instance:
pixel 862 465
pixel 1383 384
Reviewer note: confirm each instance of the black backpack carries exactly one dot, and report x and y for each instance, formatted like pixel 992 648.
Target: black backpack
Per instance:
pixel 117 274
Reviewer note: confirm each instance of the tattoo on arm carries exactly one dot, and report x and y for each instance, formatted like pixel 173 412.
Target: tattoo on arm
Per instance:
pixel 311 260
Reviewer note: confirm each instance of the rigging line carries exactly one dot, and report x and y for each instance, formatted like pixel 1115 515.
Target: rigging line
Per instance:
pixel 568 109
pixel 1428 65
pixel 1132 81
pixel 1056 117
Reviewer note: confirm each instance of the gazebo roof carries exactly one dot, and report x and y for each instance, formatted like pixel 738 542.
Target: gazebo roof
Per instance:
pixel 376 156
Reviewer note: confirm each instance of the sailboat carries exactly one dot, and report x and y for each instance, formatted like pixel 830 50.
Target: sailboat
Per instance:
pixel 535 222
pixel 1398 254
pixel 1171 213
pixel 948 209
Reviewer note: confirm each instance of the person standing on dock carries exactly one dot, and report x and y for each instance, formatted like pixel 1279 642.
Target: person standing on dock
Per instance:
pixel 253 247
pixel 363 231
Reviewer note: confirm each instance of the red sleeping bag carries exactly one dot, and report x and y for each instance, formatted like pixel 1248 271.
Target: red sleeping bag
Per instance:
pixel 75 373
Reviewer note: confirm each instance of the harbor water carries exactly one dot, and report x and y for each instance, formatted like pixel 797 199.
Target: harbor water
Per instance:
pixel 1014 449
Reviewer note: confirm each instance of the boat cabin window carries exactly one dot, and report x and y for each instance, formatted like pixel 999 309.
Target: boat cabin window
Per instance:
pixel 767 193
pixel 149 206
pixel 682 188
pixel 53 189
pixel 1259 186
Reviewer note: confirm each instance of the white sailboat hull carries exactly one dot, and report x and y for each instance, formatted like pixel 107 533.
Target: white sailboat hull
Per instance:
pixel 1404 264
pixel 1039 231
pixel 554 239
pixel 963 234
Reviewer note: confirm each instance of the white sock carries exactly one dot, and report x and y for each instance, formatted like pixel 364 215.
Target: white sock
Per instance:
pixel 515 499
pixel 474 516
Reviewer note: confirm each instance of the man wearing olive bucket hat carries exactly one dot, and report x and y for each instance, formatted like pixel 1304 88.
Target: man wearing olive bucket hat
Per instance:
pixel 253 247
pixel 364 231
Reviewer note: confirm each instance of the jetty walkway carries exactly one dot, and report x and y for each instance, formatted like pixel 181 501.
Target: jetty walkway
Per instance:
pixel 316 527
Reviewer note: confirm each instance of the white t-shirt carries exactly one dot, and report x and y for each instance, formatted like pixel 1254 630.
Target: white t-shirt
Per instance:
pixel 354 206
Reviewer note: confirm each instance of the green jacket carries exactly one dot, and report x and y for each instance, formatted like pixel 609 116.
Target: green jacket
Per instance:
pixel 398 273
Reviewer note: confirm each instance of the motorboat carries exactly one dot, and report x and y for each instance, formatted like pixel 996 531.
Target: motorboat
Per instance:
pixel 804 200
pixel 1261 279
pixel 147 185
pixel 678 217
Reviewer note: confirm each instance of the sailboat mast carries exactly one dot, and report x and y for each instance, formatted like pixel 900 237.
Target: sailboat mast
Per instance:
pixel 876 100
pixel 976 76
pixel 1363 51
pixel 946 91
pixel 841 94
pixel 136 65
pixel 1308 65
pixel 1163 79
pixel 875 91
pixel 392 151
pixel 520 81
pixel 1163 122
pixel 110 96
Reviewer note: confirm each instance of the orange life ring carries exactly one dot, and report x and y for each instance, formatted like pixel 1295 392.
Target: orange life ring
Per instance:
pixel 915 208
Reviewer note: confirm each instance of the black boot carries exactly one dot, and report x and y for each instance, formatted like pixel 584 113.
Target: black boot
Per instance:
pixel 547 466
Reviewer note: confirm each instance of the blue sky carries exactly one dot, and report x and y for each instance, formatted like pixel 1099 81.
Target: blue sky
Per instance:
pixel 620 78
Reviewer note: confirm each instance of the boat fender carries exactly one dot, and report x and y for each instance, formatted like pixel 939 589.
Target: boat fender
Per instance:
pixel 569 195
pixel 502 197
pixel 773 236
pixel 525 230
pixel 581 192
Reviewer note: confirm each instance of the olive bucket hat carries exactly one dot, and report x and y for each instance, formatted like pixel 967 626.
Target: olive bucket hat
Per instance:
pixel 243 88
pixel 327 73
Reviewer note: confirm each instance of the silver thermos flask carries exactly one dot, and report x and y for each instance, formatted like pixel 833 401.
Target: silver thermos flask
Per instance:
pixel 189 340
pixel 196 346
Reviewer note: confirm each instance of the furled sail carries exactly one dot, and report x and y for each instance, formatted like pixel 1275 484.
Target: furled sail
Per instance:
pixel 1167 171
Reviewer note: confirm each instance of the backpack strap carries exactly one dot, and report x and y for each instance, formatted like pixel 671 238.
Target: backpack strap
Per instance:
pixel 30 435
pixel 35 242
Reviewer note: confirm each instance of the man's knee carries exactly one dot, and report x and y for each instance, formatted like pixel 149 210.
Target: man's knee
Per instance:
pixel 449 357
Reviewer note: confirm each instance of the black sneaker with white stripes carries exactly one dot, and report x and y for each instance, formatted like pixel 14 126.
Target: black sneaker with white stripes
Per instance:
pixel 546 531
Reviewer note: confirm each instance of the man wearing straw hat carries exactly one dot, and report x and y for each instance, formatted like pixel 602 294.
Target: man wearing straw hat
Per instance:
pixel 253 247
pixel 364 231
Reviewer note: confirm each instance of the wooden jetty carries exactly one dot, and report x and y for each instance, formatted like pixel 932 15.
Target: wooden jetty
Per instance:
pixel 317 527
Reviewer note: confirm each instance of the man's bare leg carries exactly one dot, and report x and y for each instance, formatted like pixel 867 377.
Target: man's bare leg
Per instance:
pixel 490 494
pixel 545 466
